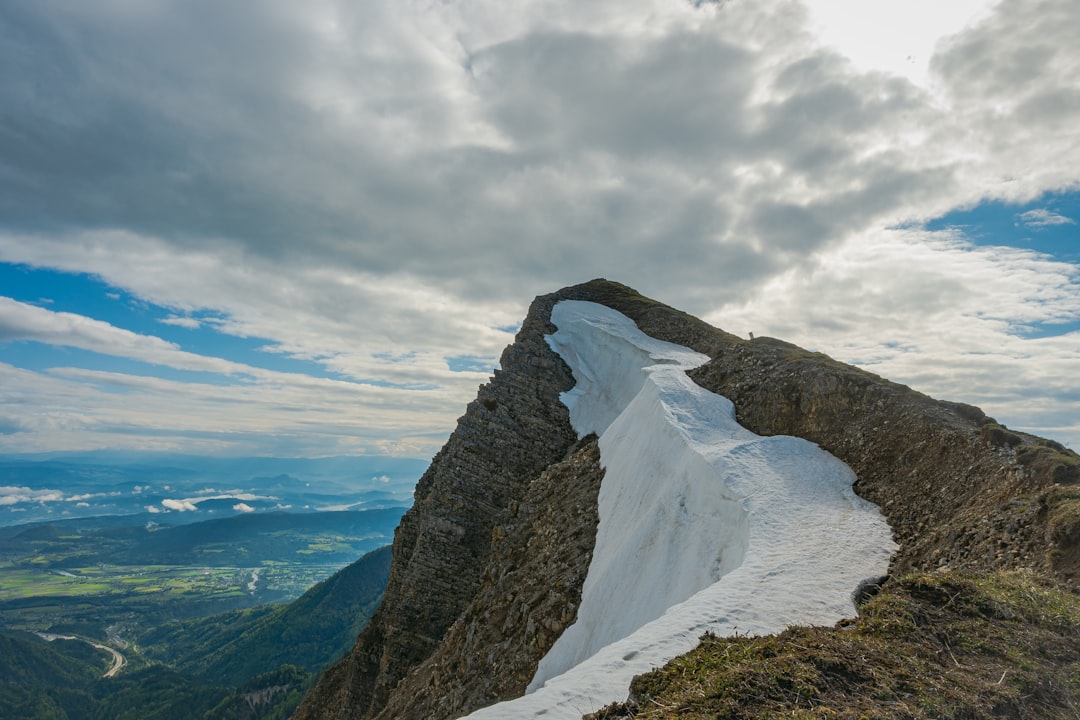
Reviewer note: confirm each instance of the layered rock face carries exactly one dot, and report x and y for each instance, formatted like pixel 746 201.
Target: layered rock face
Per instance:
pixel 489 563
pixel 477 483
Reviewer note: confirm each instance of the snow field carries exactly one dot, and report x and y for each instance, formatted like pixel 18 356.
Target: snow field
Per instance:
pixel 704 526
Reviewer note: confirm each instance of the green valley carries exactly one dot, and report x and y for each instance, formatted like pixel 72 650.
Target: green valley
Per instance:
pixel 229 617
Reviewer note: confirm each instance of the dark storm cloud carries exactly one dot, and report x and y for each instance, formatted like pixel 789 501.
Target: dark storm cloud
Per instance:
pixel 208 125
pixel 677 97
pixel 170 119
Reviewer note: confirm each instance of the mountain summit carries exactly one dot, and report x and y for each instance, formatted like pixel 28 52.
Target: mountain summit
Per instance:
pixel 632 479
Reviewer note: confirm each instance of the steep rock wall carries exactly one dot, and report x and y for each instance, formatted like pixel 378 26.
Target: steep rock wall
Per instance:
pixel 514 430
pixel 529 593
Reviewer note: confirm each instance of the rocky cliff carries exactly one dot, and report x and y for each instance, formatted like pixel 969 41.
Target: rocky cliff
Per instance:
pixel 489 563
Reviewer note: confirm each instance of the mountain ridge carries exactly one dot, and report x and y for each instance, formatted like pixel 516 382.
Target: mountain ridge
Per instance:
pixel 959 490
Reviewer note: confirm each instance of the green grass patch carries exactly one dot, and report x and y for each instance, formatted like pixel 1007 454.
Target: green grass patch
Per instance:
pixel 999 435
pixel 1063 515
pixel 1050 459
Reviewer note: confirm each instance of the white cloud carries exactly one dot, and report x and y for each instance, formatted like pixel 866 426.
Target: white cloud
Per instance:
pixel 84 496
pixel 931 310
pixel 1012 85
pixel 11 495
pixel 20 321
pixel 893 37
pixel 315 314
pixel 297 413
pixel 191 504
pixel 179 505
pixel 184 322
pixel 1041 217
pixel 14 495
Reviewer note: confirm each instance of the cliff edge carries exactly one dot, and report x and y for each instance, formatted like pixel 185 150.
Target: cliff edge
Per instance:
pixel 489 563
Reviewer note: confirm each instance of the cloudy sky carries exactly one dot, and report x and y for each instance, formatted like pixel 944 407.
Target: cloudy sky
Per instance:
pixel 306 229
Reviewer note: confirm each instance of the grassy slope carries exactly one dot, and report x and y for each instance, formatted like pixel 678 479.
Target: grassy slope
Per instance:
pixel 941 645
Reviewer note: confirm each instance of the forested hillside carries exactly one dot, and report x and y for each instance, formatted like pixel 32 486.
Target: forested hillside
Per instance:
pixel 317 628
pixel 251 664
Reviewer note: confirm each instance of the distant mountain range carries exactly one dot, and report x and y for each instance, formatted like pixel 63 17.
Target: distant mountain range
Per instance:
pixel 187 488
pixel 244 540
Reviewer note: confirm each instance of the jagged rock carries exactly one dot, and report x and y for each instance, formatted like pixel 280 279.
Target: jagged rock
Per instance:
pixel 488 564
pixel 513 431
pixel 529 593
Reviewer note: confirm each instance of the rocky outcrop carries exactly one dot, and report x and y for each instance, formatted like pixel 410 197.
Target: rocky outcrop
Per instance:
pixel 529 594
pixel 488 564
pixel 512 432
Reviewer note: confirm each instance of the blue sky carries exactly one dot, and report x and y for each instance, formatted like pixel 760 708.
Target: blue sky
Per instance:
pixel 1049 225
pixel 279 229
pixel 87 295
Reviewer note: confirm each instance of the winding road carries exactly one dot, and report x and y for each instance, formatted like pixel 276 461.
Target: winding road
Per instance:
pixel 118 660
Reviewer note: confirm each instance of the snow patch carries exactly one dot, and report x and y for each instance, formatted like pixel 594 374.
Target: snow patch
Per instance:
pixel 704 526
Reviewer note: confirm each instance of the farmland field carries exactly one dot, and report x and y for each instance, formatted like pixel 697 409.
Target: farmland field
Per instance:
pixel 85 576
